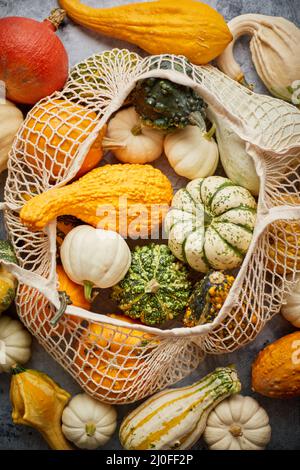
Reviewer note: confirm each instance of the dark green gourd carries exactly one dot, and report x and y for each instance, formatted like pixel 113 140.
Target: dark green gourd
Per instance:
pixel 156 287
pixel 167 105
pixel 208 298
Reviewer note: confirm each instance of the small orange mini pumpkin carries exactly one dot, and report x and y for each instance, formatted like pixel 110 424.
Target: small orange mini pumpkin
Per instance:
pixel 50 134
pixel 284 236
pixel 111 357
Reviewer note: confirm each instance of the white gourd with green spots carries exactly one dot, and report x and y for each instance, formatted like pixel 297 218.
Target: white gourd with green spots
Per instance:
pixel 210 223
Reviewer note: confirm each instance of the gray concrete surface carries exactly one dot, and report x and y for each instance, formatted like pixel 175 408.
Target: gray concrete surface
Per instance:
pixel 284 414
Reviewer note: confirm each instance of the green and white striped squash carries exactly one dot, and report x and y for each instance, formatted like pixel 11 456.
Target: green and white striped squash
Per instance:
pixel 8 282
pixel 176 418
pixel 210 223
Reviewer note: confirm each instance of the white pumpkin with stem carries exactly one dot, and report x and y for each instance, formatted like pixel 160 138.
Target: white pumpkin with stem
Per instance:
pixel 291 308
pixel 94 258
pixel 15 343
pixel 238 423
pixel 88 423
pixel 192 152
pixel 130 141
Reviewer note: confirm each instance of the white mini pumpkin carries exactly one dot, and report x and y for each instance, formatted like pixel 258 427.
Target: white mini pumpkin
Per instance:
pixel 130 141
pixel 88 423
pixel 210 223
pixel 291 308
pixel 94 257
pixel 238 423
pixel 191 152
pixel 10 120
pixel 15 343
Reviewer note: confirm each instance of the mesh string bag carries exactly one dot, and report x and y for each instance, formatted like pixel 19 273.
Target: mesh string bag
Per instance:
pixel 116 361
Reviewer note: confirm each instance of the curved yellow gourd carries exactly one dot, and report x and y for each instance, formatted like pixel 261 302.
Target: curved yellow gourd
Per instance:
pixel 129 199
pixel 38 402
pixel 188 27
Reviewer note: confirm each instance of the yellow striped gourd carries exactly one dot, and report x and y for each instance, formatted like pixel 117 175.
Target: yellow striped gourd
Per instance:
pixel 176 418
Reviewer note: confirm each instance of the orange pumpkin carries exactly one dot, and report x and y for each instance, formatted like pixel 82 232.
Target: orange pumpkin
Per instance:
pixel 108 375
pixel 283 237
pixel 110 357
pixel 50 133
pixel 115 338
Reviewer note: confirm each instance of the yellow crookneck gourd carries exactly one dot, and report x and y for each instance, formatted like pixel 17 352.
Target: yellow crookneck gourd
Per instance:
pixel 129 199
pixel 188 27
pixel 39 402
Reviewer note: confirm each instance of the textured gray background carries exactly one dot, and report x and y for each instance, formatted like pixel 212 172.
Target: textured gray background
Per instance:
pixel 284 414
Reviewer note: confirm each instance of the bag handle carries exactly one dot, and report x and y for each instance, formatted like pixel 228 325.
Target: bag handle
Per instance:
pixel 8 205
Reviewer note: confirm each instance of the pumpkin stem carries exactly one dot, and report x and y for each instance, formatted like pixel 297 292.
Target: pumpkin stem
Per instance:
pixel 56 17
pixel 152 287
pixel 111 144
pixel 17 369
pixel 88 288
pixel 243 82
pixel 90 429
pixel 207 219
pixel 196 119
pixel 64 302
pixel 208 135
pixel 136 130
pixel 236 430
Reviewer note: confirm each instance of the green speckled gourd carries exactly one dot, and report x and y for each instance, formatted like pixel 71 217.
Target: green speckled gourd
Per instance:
pixel 8 282
pixel 208 298
pixel 166 105
pixel 156 288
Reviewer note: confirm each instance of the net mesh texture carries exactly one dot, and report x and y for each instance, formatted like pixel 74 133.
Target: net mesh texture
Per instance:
pixel 119 362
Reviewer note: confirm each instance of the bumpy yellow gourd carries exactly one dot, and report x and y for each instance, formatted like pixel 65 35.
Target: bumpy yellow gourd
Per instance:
pixel 188 27
pixel 129 199
pixel 276 369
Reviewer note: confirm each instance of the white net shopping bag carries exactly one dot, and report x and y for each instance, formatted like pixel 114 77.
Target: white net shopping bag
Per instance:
pixel 122 362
